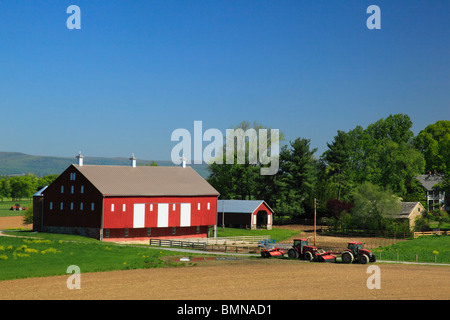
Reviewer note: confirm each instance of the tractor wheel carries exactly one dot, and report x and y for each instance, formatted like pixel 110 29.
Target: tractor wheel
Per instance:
pixel 373 258
pixel 347 257
pixel 363 259
pixel 308 256
pixel 292 253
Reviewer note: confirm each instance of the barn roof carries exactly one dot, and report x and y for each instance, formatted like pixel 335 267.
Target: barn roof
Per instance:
pixel 146 181
pixel 240 206
pixel 39 192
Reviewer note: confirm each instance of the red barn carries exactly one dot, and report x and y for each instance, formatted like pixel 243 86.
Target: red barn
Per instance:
pixel 128 202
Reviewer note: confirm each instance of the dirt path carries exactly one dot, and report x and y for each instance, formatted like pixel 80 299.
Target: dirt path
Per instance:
pixel 255 279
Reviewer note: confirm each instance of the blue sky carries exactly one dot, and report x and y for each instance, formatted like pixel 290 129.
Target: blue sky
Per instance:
pixel 138 70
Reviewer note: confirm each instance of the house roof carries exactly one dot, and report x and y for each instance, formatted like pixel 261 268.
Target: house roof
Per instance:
pixel 428 181
pixel 407 209
pixel 146 181
pixel 240 206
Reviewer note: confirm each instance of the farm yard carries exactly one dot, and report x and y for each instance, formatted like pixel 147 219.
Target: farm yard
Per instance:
pixel 211 279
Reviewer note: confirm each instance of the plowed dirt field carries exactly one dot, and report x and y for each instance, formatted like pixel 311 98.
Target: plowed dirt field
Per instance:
pixel 253 279
pixel 243 280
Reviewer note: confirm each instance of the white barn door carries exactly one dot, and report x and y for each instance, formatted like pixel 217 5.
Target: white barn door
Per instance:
pixel 163 215
pixel 139 215
pixel 185 215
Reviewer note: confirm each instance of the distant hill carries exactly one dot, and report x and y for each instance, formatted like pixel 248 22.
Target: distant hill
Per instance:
pixel 16 163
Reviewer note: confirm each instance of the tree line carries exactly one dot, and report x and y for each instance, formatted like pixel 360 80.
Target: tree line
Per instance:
pixel 358 180
pixel 20 187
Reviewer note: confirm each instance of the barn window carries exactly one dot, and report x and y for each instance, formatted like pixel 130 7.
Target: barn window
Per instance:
pixel 209 206
pixel 198 229
pixel 81 206
pixel 126 232
pixel 51 205
pixel 72 176
pixel 112 207
pixel 82 189
pixel 71 206
pixel 62 189
pixel 174 231
pixel 71 189
pixel 107 233
pixel 92 206
pixel 198 206
pixel 124 207
pixel 61 206
pixel 149 232
pixel 151 207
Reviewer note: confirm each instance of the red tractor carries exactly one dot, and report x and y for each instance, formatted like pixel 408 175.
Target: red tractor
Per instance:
pixel 355 253
pixel 301 250
pixel 16 207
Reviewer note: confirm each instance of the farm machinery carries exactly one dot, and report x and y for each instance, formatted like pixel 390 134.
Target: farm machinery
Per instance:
pixel 355 253
pixel 17 207
pixel 300 250
pixel 274 252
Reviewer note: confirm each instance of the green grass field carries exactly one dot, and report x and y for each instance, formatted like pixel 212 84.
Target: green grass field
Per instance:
pixel 51 255
pixel 422 249
pixel 6 205
pixel 276 233
pixel 47 254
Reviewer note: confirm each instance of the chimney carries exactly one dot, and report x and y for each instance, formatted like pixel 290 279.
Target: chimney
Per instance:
pixel 133 161
pixel 183 161
pixel 80 159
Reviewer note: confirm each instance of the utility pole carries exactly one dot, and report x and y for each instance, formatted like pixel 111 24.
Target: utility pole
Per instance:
pixel 315 207
pixel 223 215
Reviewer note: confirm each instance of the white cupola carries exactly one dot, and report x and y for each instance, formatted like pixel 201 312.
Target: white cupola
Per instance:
pixel 80 159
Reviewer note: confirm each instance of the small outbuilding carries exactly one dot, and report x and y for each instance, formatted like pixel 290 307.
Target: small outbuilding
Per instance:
pixel 410 211
pixel 249 214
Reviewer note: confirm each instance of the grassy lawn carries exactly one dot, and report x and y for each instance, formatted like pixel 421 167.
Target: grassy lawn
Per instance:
pixel 276 233
pixel 51 255
pixel 425 247
pixel 444 226
pixel 6 205
pixel 48 254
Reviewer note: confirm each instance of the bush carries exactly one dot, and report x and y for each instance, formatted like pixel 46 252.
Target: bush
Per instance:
pixel 28 217
pixel 422 224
